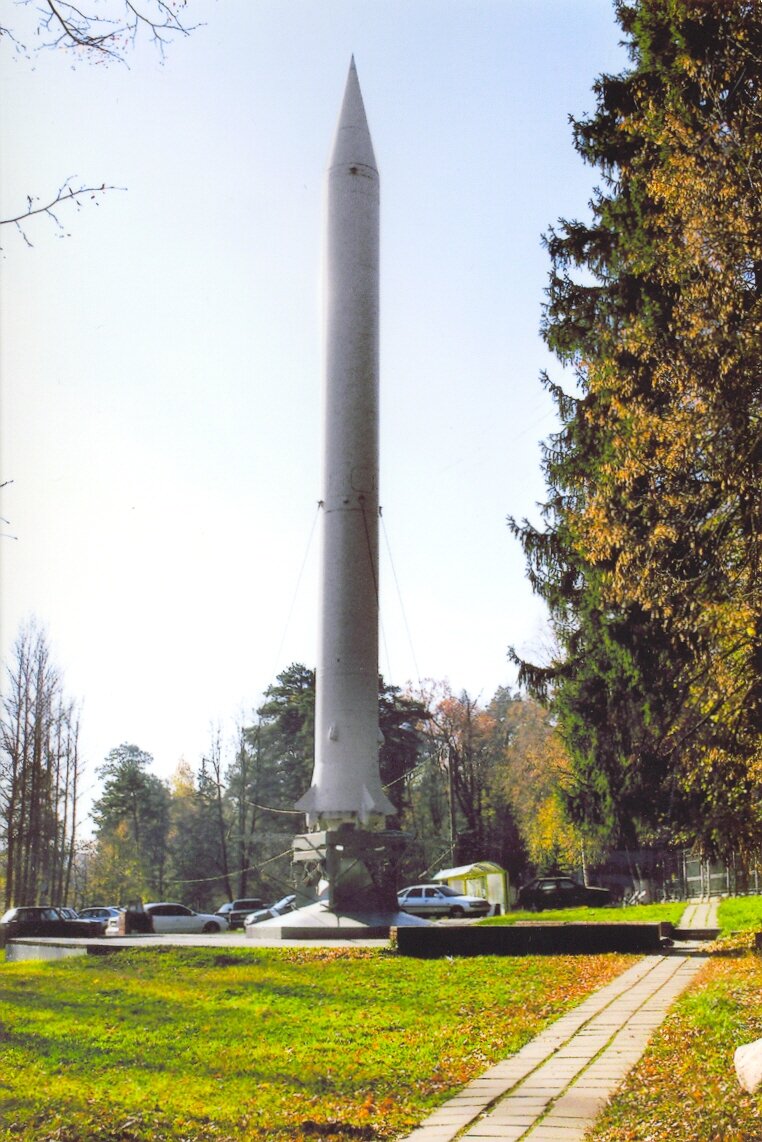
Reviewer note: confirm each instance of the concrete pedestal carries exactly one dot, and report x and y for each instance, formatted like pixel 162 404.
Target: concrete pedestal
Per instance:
pixel 354 872
pixel 320 923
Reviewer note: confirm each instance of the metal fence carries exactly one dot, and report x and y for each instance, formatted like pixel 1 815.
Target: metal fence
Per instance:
pixel 714 878
pixel 663 874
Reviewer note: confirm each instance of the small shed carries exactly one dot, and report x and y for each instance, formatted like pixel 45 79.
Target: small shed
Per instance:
pixel 483 878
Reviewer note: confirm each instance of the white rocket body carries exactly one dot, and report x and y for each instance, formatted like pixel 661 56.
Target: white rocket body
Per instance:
pixel 346 785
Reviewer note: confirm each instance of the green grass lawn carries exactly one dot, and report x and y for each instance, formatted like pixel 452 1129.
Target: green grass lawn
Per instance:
pixel 644 913
pixel 277 1044
pixel 736 914
pixel 297 1045
pixel 740 914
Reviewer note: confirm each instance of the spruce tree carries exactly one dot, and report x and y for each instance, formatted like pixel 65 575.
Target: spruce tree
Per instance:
pixel 649 557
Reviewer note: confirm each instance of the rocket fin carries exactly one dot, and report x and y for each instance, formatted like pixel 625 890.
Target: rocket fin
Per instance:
pixel 308 802
pixel 370 805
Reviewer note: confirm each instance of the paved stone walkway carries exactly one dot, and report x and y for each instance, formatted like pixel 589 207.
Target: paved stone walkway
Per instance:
pixel 553 1089
pixel 700 914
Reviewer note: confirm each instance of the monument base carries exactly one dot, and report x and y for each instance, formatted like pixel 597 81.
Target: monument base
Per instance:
pixel 355 870
pixel 354 874
pixel 319 922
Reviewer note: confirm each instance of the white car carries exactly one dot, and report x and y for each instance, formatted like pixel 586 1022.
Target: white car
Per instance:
pixel 170 919
pixel 440 900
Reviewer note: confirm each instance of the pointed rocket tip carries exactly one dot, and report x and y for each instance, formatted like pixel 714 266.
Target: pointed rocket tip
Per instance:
pixel 353 144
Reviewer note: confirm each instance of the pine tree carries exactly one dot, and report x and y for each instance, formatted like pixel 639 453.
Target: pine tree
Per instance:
pixel 132 820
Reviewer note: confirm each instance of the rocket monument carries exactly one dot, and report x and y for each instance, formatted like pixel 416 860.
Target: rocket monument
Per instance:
pixel 348 858
pixel 346 786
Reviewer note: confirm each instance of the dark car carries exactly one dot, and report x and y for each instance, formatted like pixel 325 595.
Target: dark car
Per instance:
pixel 560 892
pixel 236 911
pixel 44 920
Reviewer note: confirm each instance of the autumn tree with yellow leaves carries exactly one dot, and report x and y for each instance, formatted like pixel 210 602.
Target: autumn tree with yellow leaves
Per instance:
pixel 490 785
pixel 536 775
pixel 649 553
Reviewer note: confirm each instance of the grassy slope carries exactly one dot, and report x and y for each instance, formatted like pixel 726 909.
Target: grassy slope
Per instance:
pixel 685 1089
pixel 267 1044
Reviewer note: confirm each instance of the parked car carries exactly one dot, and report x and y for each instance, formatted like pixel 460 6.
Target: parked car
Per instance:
pixel 170 918
pixel 44 920
pixel 440 900
pixel 560 892
pixel 280 908
pixel 100 912
pixel 236 911
pixel 99 915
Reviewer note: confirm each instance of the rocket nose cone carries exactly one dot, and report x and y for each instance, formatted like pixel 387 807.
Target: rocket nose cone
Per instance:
pixel 352 143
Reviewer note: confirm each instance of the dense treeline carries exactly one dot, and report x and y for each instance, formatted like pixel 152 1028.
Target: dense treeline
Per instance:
pixel 649 558
pixel 467 782
pixel 456 774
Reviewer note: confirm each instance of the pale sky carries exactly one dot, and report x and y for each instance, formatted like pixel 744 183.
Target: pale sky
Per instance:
pixel 161 364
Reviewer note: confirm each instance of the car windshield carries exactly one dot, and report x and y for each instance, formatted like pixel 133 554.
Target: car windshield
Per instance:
pixel 447 891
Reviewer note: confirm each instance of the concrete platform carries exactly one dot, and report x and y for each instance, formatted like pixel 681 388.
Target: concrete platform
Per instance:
pixel 532 939
pixel 59 948
pixel 318 923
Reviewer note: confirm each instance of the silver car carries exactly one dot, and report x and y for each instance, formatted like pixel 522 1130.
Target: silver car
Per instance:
pixel 440 900
pixel 287 904
pixel 101 912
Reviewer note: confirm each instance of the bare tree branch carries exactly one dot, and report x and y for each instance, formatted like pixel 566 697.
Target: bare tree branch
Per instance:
pixel 101 30
pixel 66 194
pixel 96 34
pixel 5 534
pixel 105 29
